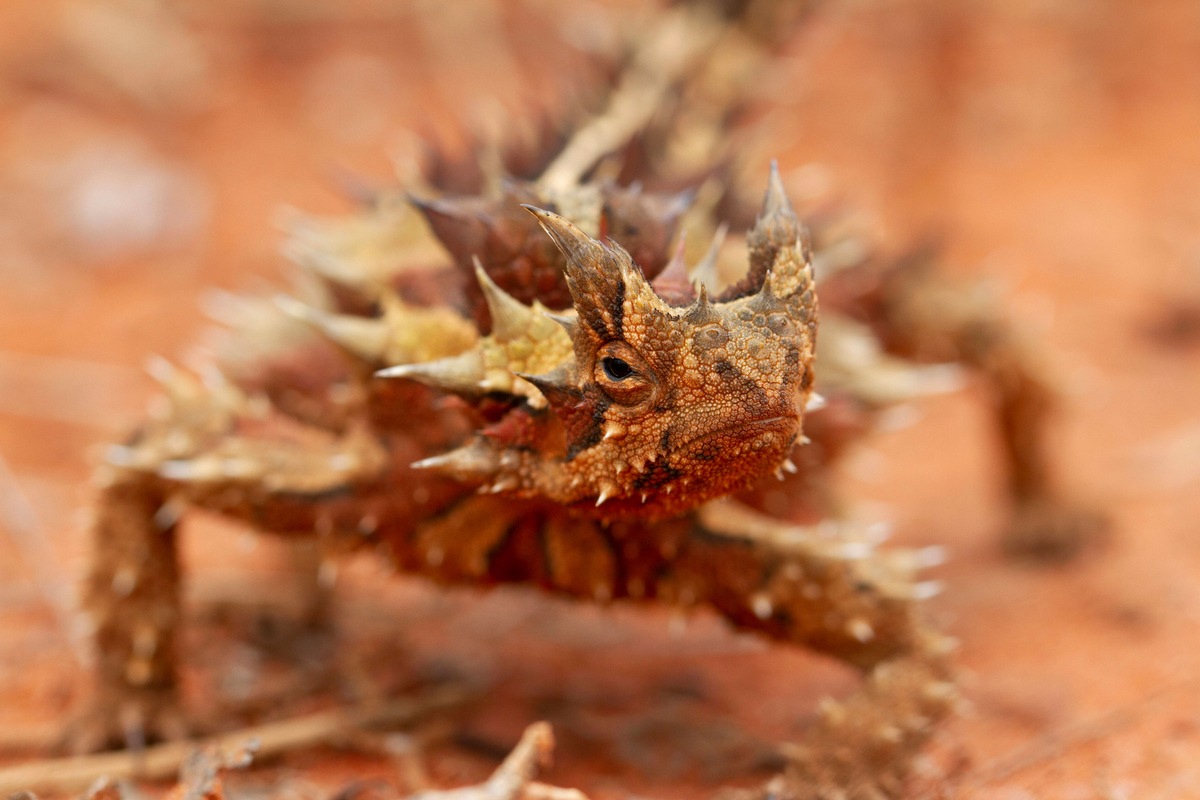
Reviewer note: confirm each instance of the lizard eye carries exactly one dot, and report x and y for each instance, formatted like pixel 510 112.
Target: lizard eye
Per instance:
pixel 623 375
pixel 616 369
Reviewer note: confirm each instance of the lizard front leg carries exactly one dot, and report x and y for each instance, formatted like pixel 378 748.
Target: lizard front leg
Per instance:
pixel 293 487
pixel 825 588
pixel 131 600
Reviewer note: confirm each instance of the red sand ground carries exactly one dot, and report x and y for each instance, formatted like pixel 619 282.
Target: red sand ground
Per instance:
pixel 1054 145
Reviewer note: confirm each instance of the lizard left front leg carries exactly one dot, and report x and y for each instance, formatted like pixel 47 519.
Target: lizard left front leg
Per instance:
pixel 834 593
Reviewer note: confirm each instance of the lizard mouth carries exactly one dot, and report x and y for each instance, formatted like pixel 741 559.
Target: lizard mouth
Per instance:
pixel 743 432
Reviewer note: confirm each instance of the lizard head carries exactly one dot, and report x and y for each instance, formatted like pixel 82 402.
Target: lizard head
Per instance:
pixel 650 409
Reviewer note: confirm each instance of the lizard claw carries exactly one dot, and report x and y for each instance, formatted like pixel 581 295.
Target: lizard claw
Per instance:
pixel 131 721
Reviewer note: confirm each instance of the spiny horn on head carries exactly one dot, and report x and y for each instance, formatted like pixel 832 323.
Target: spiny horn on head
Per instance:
pixel 701 311
pixel 777 233
pixel 778 245
pixel 601 277
pixel 579 248
pixel 574 409
pixel 557 387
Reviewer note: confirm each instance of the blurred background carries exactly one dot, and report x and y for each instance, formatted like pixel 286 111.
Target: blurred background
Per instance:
pixel 1052 146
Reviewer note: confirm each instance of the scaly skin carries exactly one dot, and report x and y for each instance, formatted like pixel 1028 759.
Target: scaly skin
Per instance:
pixel 588 454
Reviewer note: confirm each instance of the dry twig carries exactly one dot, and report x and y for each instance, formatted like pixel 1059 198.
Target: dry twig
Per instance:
pixel 163 761
pixel 513 778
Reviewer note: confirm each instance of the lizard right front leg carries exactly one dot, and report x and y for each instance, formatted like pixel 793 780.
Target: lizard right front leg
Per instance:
pixel 131 599
pixel 195 455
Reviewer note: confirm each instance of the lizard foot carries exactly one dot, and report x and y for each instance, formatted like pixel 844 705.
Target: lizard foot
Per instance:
pixel 864 747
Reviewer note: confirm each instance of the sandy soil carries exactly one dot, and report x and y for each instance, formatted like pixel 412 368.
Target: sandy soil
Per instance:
pixel 1052 146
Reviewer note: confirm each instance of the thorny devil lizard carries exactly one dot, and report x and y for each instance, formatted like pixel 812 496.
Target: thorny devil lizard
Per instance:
pixel 588 454
pixel 581 418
